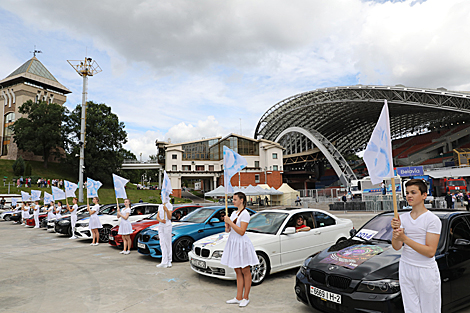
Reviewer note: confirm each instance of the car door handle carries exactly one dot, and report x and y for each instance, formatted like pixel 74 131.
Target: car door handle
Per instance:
pixel 316 232
pixel 200 231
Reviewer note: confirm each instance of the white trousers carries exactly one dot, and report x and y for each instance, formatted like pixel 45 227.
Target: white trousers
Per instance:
pixel 420 288
pixel 36 220
pixel 73 221
pixel 165 243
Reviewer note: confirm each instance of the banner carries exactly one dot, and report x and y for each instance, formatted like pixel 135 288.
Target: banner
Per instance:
pixel 70 189
pixel 233 163
pixel 57 193
pixel 48 198
pixel 92 187
pixel 119 186
pixel 378 155
pixel 25 196
pixel 36 195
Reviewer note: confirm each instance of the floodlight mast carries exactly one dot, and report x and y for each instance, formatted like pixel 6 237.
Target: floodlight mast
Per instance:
pixel 85 68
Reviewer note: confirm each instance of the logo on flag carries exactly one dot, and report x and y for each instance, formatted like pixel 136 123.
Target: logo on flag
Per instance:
pixel 57 193
pixel 166 188
pixel 233 163
pixel 378 155
pixel 25 196
pixel 119 186
pixel 70 189
pixel 48 198
pixel 92 187
pixel 36 195
pixel 14 201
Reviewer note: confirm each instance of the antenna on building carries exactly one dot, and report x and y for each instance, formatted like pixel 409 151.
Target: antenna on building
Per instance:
pixel 35 51
pixel 84 68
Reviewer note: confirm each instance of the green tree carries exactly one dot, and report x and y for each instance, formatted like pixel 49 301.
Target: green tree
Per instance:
pixel 105 137
pixel 18 166
pixel 27 169
pixel 41 131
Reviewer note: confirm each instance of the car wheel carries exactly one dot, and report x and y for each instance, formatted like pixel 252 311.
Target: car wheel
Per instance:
pixel 104 233
pixel 260 271
pixel 181 248
pixel 136 239
pixel 69 230
pixel 7 218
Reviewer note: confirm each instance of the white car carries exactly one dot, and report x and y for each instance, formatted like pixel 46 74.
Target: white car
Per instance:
pixel 109 220
pixel 277 243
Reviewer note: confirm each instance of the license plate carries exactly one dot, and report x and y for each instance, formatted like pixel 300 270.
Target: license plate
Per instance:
pixel 325 295
pixel 111 238
pixel 198 263
pixel 141 245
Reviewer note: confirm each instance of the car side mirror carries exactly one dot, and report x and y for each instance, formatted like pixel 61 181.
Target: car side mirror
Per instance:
pixel 289 231
pixel 461 243
pixel 214 220
pixel 353 232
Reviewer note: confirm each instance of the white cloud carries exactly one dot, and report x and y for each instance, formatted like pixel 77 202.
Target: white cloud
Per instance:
pixel 203 129
pixel 143 143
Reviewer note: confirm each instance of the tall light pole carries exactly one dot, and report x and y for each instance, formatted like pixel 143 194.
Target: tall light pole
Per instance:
pixel 85 68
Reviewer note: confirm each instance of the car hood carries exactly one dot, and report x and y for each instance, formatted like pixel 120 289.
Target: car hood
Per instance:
pixel 143 224
pixel 176 226
pixel 218 241
pixel 358 260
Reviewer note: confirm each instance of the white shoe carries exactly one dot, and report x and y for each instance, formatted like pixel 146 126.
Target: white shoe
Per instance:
pixel 92 244
pixel 233 301
pixel 169 265
pixel 22 224
pixel 73 237
pixel 122 252
pixel 96 244
pixel 127 252
pixel 36 226
pixel 162 265
pixel 244 303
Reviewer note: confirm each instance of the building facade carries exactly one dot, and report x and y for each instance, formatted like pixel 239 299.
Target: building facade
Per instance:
pixel 30 81
pixel 203 160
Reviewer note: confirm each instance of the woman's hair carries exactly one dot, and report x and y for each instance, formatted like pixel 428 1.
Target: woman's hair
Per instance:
pixel 59 202
pixel 242 196
pixel 97 199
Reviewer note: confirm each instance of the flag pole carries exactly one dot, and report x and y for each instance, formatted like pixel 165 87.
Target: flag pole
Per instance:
pixel 226 207
pixel 394 193
pixel 117 202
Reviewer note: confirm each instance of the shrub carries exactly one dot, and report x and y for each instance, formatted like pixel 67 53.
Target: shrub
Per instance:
pixel 18 166
pixel 27 169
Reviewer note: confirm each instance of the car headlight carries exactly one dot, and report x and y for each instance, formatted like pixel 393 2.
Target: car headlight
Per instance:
pixel 304 267
pixel 156 237
pixel 379 286
pixel 82 225
pixel 217 254
pixel 64 222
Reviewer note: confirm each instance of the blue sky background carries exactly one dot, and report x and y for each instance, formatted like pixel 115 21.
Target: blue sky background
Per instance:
pixel 191 69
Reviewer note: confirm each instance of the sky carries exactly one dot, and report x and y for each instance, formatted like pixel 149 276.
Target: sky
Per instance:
pixel 182 70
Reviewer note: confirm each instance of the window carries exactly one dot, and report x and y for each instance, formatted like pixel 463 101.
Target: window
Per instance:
pixel 174 156
pixel 274 155
pixel 256 163
pixel 256 178
pixel 186 167
pixel 275 168
pixel 200 168
pixel 322 220
pixel 211 168
pixel 458 230
pixel 174 168
pixel 307 217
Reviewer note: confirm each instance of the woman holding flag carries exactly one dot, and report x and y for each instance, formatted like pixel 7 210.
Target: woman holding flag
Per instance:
pixel 164 218
pixel 50 211
pixel 94 223
pixel 125 228
pixel 73 216
pixel 25 212
pixel 36 214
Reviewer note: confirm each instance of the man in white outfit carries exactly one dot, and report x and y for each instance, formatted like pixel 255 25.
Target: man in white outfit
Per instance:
pixel 36 214
pixel 164 232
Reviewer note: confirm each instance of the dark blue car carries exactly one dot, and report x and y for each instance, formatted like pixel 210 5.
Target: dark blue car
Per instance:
pixel 198 224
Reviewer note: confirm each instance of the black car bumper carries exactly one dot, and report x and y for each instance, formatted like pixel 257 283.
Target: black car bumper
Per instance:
pixel 354 302
pixel 62 229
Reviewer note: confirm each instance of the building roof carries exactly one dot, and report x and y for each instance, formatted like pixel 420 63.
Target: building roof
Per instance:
pixel 189 142
pixel 33 70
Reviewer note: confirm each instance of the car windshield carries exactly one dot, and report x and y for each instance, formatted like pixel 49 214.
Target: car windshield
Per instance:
pixel 198 216
pixel 456 183
pixel 266 222
pixel 380 225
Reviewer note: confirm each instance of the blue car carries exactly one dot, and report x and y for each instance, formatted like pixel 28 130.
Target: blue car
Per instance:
pixel 198 224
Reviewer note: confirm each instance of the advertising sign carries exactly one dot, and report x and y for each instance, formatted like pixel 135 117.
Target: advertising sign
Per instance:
pixel 410 171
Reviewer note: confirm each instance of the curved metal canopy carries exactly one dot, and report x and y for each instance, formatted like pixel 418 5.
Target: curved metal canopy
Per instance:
pixel 346 116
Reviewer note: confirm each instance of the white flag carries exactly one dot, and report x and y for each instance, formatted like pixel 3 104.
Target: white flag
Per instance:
pixel 47 198
pixel 378 155
pixel 119 186
pixel 70 189
pixel 36 195
pixel 166 188
pixel 25 196
pixel 233 163
pixel 57 193
pixel 92 187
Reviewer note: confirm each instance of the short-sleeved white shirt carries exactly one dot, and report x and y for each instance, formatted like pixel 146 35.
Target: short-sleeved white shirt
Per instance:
pixel 161 213
pixel 75 208
pixel 243 217
pixel 416 230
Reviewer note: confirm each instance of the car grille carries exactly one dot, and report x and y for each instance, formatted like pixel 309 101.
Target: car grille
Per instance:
pixel 339 282
pixel 144 238
pixel 114 233
pixel 205 253
pixel 335 281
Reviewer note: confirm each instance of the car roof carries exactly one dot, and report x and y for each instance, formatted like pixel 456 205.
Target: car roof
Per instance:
pixel 294 210
pixel 441 213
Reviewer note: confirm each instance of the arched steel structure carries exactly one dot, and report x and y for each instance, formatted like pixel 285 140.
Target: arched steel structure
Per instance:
pixel 346 116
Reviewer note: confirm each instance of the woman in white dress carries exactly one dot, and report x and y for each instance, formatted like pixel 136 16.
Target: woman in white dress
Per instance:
pixel 73 216
pixel 50 211
pixel 125 227
pixel 25 212
pixel 239 252
pixel 94 224
pixel 58 211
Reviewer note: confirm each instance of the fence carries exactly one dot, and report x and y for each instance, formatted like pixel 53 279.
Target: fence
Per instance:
pixel 322 195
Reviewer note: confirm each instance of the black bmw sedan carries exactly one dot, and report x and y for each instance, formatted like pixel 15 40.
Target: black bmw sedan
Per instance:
pixel 361 274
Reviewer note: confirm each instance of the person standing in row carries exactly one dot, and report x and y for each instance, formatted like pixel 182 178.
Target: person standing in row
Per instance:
pixel 164 232
pixel 239 252
pixel 50 211
pixel 94 223
pixel 125 227
pixel 24 213
pixel 418 232
pixel 73 216
pixel 36 214
pixel 58 211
